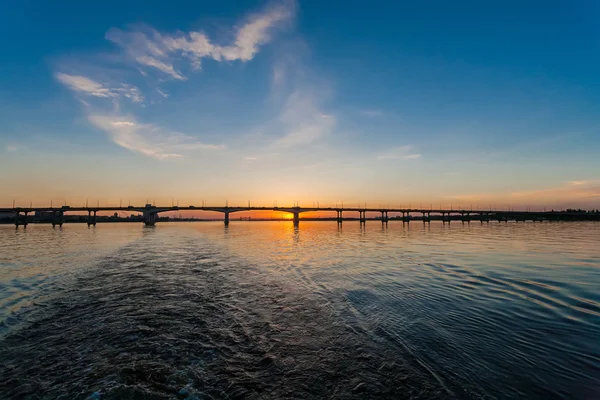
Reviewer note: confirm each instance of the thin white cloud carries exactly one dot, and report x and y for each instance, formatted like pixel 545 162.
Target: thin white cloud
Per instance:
pixel 472 196
pixel 131 92
pixel 399 153
pixel 278 75
pixel 150 48
pixel 256 32
pixel 89 87
pixel 574 193
pixel 303 122
pixel 172 55
pixel 585 182
pixel 11 148
pixel 160 65
pixel 83 84
pixel 570 190
pixel 147 139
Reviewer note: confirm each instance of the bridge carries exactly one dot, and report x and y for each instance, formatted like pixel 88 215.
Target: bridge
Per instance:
pixel 150 213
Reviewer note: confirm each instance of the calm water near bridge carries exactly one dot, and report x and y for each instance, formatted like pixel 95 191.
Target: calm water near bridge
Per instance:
pixel 264 310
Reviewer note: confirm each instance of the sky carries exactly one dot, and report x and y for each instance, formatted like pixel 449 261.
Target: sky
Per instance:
pixel 459 103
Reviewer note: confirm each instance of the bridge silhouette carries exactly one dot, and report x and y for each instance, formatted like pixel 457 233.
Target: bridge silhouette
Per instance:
pixel 150 213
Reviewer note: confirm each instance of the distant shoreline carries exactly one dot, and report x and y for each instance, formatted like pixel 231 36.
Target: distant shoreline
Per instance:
pixel 513 218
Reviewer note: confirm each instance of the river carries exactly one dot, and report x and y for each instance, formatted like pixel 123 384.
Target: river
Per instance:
pixel 261 310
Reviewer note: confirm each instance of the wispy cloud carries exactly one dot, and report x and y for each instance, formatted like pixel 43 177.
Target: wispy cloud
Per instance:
pixel 131 92
pixel 399 153
pixel 278 75
pixel 150 48
pixel 582 183
pixel 160 65
pixel 579 193
pixel 303 121
pixel 11 148
pixel 147 139
pixel 144 49
pixel 472 197
pixel 90 87
pixel 571 190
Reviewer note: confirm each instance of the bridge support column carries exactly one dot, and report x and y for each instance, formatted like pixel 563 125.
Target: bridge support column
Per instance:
pixel 91 219
pixel 57 218
pixel 21 221
pixel 296 218
pixel 362 216
pixel 339 216
pixel 384 217
pixel 226 218
pixel 150 218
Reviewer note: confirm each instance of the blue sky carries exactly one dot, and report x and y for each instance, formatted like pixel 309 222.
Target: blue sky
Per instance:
pixel 384 102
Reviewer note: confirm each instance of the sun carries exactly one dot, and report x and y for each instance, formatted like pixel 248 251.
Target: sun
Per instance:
pixel 282 215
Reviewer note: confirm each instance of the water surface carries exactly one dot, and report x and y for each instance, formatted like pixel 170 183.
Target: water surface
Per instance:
pixel 266 310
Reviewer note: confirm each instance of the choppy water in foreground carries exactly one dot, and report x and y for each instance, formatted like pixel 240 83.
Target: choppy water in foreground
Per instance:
pixel 263 310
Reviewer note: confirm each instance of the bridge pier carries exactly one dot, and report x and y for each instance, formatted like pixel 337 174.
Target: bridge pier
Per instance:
pixel 19 221
pixel 339 216
pixel 296 218
pixel 384 217
pixel 91 219
pixel 150 218
pixel 362 216
pixel 226 218
pixel 57 218
pixel 466 219
pixel 446 218
pixel 426 217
